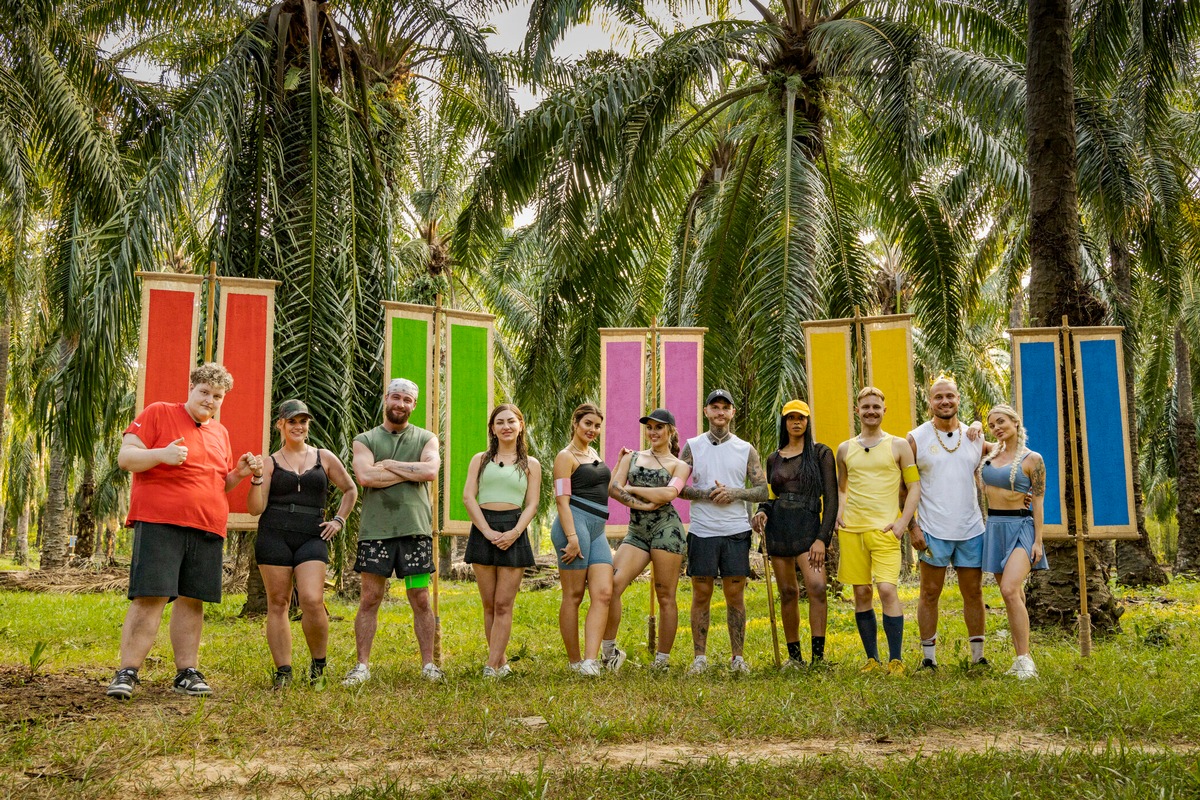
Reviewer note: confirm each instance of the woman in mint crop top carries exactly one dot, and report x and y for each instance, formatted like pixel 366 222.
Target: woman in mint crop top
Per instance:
pixel 501 496
pixel 1012 540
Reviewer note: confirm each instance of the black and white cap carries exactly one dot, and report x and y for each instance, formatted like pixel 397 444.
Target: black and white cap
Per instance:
pixel 718 394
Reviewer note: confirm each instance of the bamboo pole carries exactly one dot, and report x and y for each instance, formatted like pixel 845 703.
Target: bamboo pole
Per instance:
pixel 435 427
pixel 211 280
pixel 771 600
pixel 1085 619
pixel 651 618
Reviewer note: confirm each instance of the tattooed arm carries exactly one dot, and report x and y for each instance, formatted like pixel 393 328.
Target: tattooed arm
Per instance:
pixel 690 492
pixel 1035 468
pixel 754 493
pixel 616 487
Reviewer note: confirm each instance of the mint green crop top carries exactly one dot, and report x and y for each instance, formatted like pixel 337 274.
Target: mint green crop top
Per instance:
pixel 499 484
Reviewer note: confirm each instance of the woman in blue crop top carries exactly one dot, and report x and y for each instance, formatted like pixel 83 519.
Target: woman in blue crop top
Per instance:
pixel 293 536
pixel 1012 541
pixel 501 496
pixel 585 561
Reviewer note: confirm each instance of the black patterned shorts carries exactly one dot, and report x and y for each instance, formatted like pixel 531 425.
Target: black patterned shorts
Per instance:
pixel 402 556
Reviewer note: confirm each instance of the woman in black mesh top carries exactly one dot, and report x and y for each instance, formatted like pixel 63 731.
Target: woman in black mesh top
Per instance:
pixel 798 521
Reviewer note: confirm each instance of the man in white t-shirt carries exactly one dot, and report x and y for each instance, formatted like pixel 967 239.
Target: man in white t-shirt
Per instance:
pixel 718 542
pixel 948 527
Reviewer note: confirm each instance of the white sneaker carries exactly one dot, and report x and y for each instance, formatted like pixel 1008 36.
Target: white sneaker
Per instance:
pixel 699 665
pixel 357 676
pixel 660 665
pixel 738 666
pixel 431 673
pixel 614 662
pixel 504 672
pixel 590 668
pixel 1023 668
pixel 575 665
pixel 489 672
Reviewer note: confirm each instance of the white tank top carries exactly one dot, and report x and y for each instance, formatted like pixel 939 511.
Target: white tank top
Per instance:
pixel 949 505
pixel 725 462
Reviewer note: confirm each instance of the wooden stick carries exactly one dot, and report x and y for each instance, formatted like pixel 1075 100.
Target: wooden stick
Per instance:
pixel 435 427
pixel 1085 620
pixel 651 619
pixel 771 601
pixel 211 279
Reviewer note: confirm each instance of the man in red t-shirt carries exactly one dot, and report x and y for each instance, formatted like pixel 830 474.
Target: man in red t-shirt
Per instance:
pixel 182 467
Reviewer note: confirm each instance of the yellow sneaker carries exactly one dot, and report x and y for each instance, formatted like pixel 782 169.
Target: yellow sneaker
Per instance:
pixel 896 668
pixel 871 667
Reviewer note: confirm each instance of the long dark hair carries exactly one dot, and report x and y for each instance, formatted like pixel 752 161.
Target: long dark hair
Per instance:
pixel 809 467
pixel 494 441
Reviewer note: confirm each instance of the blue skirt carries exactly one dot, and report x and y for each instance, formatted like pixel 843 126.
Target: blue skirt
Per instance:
pixel 1003 535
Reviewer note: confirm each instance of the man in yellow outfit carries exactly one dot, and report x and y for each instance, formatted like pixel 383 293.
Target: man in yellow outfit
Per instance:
pixel 870 469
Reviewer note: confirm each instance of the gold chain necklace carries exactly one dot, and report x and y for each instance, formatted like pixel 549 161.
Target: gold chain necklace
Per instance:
pixel 938 435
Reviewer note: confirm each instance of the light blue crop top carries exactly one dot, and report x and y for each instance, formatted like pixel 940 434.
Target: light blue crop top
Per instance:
pixel 499 484
pixel 1000 476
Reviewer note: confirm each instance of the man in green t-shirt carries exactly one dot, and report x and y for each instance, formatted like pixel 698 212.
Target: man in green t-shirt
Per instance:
pixel 394 463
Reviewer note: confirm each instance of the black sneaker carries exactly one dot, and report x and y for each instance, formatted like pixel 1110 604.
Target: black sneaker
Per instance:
pixel 190 681
pixel 123 683
pixel 316 674
pixel 982 663
pixel 927 664
pixel 283 678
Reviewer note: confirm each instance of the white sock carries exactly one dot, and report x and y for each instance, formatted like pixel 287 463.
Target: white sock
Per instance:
pixel 929 649
pixel 607 646
pixel 976 648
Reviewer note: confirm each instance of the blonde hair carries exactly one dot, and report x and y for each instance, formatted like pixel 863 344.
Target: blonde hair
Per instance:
pixel 1022 436
pixel 213 374
pixel 869 390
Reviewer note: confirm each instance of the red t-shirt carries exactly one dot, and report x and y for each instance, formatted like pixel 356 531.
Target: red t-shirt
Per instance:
pixel 191 494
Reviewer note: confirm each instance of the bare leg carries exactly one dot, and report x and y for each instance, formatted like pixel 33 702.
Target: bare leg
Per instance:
pixel 424 624
pixel 863 597
pixel 140 629
pixel 889 598
pixel 374 589
pixel 970 584
pixel 818 603
pixel 508 583
pixel 278 584
pixel 666 581
pixel 485 579
pixel 1012 587
pixel 784 568
pixel 735 613
pixel 702 589
pixel 310 585
pixel 573 583
pixel 628 563
pixel 932 580
pixel 600 591
pixel 187 620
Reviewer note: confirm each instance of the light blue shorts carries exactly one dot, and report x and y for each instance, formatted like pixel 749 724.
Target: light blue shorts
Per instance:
pixel 593 545
pixel 963 554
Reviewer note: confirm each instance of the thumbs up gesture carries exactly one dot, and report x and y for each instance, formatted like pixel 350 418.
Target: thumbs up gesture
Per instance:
pixel 175 453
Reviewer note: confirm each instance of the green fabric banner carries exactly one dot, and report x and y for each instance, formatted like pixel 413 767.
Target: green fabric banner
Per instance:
pixel 470 400
pixel 410 348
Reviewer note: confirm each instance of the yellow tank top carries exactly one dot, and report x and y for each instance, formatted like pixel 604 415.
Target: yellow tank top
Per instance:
pixel 872 486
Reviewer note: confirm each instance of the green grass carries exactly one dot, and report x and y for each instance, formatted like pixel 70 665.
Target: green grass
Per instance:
pixel 1138 689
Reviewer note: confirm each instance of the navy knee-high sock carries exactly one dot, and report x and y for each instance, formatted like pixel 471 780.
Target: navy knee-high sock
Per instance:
pixel 868 631
pixel 893 629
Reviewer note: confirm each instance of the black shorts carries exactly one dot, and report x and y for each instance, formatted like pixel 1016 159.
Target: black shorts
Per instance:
pixel 791 529
pixel 481 551
pixel 400 555
pixel 174 561
pixel 719 556
pixel 279 548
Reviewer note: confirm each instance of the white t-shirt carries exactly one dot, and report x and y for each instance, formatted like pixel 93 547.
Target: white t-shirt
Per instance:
pixel 949 505
pixel 725 462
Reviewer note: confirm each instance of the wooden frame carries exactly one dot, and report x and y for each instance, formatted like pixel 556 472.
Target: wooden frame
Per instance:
pixel 618 523
pixel 168 281
pixel 1053 337
pixel 452 317
pixel 884 324
pixel 822 420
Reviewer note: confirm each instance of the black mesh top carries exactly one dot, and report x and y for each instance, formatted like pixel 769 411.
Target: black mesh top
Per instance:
pixel 787 475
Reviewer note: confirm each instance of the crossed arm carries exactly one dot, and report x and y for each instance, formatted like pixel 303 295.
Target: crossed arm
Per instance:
pixel 388 472
pixel 756 492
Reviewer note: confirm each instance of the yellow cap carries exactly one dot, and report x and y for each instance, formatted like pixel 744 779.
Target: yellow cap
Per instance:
pixel 796 407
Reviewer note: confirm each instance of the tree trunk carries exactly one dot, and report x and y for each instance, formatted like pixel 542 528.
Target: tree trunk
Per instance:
pixel 85 518
pixel 1136 563
pixel 55 532
pixel 256 590
pixel 1187 470
pixel 21 554
pixel 1055 288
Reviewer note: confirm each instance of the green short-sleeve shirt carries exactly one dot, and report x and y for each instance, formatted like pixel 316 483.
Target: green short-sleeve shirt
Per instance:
pixel 403 509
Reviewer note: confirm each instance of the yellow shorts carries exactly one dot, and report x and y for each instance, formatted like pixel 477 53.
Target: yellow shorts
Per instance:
pixel 866 558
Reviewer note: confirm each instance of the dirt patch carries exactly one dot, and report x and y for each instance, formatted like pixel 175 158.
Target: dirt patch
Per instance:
pixel 293 772
pixel 52 698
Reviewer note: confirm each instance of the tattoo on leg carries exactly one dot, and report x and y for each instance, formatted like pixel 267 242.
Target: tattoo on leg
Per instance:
pixel 737 629
pixel 700 619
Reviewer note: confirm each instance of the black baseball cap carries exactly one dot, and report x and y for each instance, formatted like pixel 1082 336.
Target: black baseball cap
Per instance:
pixel 659 415
pixel 718 394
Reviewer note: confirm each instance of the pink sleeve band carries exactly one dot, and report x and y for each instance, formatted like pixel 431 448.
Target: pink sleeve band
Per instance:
pixel 562 487
pixel 676 484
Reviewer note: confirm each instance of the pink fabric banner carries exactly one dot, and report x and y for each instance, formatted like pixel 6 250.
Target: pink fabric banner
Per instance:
pixel 622 399
pixel 682 381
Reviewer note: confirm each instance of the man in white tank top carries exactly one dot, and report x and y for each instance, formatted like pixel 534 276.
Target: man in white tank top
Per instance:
pixel 948 528
pixel 719 534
